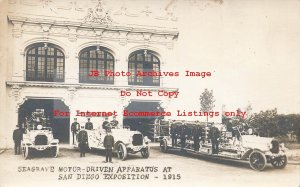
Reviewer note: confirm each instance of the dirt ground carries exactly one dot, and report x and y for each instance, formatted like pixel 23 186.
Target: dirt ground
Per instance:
pixel 163 169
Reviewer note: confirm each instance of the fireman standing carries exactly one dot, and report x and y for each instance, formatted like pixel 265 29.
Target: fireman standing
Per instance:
pixel 183 132
pixel 17 137
pixel 214 135
pixel 83 141
pixel 75 127
pixel 108 144
pixel 173 133
pixel 196 136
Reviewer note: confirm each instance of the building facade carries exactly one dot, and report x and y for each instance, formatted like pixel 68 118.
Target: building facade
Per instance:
pixel 51 47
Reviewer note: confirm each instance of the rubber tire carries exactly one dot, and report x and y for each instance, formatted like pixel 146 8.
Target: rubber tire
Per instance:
pixel 145 152
pixel 280 165
pixel 121 148
pixel 261 158
pixel 163 146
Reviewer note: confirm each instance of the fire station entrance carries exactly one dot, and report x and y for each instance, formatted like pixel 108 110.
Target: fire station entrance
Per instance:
pixel 144 124
pixel 60 124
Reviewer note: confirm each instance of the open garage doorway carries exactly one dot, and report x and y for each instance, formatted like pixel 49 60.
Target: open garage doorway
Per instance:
pixel 60 124
pixel 144 124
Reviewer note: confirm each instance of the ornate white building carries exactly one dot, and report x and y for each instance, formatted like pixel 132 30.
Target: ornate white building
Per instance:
pixel 50 46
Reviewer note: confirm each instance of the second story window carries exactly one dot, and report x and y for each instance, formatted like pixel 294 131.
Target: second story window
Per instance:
pixel 45 62
pixel 96 59
pixel 143 61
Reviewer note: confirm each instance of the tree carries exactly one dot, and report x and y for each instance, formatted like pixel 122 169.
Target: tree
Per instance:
pixel 207 103
pixel 265 123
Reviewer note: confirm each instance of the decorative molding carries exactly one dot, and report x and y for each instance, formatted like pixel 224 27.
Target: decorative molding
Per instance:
pixel 123 37
pixel 16 91
pixel 75 30
pixel 45 27
pixel 71 92
pixel 17 85
pixel 17 29
pixel 146 11
pixel 72 33
pixel 98 15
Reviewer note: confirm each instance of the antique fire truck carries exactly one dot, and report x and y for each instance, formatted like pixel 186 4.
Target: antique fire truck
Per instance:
pixel 37 136
pixel 126 141
pixel 237 145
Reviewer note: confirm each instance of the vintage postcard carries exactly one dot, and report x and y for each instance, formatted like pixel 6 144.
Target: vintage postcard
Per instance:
pixel 150 93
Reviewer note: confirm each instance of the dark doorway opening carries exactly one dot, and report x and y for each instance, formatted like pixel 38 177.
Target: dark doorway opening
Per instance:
pixel 144 124
pixel 60 124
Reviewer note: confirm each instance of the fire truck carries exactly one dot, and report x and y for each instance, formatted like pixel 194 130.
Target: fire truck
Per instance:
pixel 37 136
pixel 233 145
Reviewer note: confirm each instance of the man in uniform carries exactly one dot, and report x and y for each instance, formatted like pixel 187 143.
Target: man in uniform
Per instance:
pixel 214 135
pixel 108 144
pixel 183 135
pixel 105 124
pixel 114 122
pixel 173 133
pixel 83 141
pixel 75 128
pixel 89 125
pixel 17 137
pixel 196 136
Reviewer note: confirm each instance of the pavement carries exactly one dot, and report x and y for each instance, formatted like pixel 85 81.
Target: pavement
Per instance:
pixel 169 169
pixel 293 156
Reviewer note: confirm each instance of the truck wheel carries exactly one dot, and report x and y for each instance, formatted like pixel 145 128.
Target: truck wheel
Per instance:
pixel 121 151
pixel 163 146
pixel 54 151
pixel 279 162
pixel 257 160
pixel 25 151
pixel 145 152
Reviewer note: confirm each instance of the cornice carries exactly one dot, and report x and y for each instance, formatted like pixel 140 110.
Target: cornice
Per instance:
pixel 19 85
pixel 74 30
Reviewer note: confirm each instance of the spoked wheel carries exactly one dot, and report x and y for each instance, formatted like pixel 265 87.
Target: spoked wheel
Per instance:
pixel 279 162
pixel 163 146
pixel 122 151
pixel 257 160
pixel 145 152
pixel 54 151
pixel 25 152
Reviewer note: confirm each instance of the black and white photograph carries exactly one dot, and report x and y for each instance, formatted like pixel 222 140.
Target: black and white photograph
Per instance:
pixel 150 93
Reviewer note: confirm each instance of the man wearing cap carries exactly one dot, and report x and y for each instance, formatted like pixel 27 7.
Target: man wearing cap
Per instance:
pixel 108 144
pixel 89 125
pixel 75 127
pixel 215 135
pixel 83 141
pixel 173 133
pixel 17 137
pixel 105 124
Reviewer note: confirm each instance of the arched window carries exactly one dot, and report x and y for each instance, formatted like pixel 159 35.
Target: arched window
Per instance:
pixel 96 59
pixel 143 61
pixel 45 62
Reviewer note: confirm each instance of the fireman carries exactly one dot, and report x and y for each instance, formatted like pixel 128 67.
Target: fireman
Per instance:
pixel 75 127
pixel 83 141
pixel 108 144
pixel 183 134
pixel 196 136
pixel 214 135
pixel 89 125
pixel 105 124
pixel 173 133
pixel 17 137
